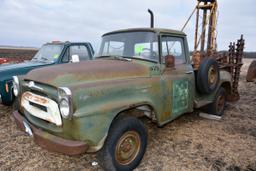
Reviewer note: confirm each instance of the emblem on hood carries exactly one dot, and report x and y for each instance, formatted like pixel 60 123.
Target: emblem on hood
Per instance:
pixel 32 84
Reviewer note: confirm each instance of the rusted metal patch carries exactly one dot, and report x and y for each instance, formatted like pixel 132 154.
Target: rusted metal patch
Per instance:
pixel 36 104
pixel 38 99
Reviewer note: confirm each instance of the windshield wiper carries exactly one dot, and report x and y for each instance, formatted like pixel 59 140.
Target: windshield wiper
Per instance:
pixel 45 59
pixel 144 59
pixel 115 57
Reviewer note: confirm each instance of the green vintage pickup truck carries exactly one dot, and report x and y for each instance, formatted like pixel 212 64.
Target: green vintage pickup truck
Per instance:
pixel 96 106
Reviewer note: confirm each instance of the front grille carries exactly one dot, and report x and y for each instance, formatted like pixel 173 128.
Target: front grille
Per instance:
pixel 40 89
pixel 38 93
pixel 43 108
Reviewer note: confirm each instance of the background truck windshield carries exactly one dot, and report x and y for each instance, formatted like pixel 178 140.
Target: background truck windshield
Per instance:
pixel 142 45
pixel 48 53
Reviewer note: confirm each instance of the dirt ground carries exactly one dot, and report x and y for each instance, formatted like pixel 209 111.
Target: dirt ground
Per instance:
pixel 17 55
pixel 188 143
pixel 25 54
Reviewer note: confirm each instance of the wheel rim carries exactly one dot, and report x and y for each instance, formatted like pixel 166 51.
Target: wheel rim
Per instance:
pixel 220 103
pixel 127 148
pixel 212 75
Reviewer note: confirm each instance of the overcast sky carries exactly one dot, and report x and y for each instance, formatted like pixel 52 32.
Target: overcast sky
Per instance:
pixel 34 22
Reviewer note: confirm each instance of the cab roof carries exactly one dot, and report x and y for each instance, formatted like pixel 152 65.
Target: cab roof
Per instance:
pixel 65 43
pixel 155 30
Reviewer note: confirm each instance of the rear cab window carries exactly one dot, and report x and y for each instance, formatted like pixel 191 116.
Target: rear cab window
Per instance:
pixel 80 50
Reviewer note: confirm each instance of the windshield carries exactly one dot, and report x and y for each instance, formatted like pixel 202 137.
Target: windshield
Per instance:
pixel 137 45
pixel 48 53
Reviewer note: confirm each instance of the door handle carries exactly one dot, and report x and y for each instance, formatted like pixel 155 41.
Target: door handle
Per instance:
pixel 189 72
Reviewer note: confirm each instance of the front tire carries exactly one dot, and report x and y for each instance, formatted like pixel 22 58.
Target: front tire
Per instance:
pixel 8 103
pixel 125 145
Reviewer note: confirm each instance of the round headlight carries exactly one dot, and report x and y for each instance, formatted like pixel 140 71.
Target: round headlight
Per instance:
pixel 15 86
pixel 64 108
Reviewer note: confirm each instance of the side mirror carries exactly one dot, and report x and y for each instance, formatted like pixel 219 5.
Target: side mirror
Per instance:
pixel 169 61
pixel 74 59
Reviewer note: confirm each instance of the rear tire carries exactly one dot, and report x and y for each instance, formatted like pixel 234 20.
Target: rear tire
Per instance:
pixel 218 106
pixel 208 76
pixel 125 145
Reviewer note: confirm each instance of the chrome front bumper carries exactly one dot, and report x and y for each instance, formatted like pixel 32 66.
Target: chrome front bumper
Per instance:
pixel 49 141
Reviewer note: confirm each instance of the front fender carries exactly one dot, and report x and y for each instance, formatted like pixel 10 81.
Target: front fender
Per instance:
pixel 6 91
pixel 6 79
pixel 96 107
pixel 95 123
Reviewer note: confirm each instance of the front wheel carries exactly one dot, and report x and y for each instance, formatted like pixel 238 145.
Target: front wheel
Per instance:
pixel 7 102
pixel 125 145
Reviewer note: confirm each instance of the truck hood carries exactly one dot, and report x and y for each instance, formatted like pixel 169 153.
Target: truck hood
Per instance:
pixel 87 71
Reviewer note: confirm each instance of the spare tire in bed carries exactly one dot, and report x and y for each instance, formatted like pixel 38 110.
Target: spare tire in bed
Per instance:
pixel 208 76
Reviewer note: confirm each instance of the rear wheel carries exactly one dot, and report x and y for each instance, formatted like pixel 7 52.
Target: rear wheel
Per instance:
pixel 125 145
pixel 208 76
pixel 218 106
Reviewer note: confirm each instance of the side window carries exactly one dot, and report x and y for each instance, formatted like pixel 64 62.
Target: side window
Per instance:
pixel 173 46
pixel 79 50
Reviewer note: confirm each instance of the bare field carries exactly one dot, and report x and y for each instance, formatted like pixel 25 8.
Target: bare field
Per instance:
pixel 188 143
pixel 19 54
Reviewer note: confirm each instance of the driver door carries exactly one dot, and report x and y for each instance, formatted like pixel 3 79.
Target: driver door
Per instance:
pixel 179 79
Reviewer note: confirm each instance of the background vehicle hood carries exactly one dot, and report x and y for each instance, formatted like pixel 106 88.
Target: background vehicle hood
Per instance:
pixel 87 71
pixel 20 65
pixel 9 70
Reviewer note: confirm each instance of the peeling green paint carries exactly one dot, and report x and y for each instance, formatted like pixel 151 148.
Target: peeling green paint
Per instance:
pixel 180 96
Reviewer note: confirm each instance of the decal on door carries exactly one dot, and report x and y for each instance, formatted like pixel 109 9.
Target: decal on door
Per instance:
pixel 180 96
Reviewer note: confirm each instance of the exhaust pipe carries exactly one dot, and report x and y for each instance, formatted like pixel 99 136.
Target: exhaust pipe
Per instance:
pixel 151 19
